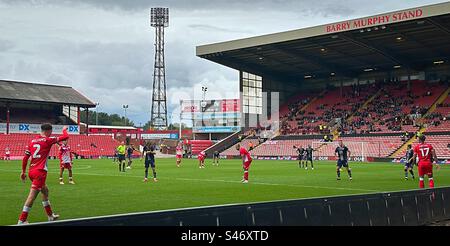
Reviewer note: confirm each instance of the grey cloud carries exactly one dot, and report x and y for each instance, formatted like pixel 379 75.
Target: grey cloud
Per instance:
pixel 113 65
pixel 107 65
pixel 204 27
pixel 327 8
pixel 198 5
pixel 6 45
pixel 302 8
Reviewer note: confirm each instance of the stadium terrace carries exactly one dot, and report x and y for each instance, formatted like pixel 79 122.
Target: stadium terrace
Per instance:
pixel 375 81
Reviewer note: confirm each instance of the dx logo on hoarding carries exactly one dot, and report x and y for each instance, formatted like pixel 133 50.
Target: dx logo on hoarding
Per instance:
pixel 24 127
pixel 73 128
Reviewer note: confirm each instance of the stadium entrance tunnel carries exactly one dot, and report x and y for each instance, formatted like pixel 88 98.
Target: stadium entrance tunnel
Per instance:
pixel 407 208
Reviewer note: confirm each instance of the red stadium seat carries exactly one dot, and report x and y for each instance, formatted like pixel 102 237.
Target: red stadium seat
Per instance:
pixel 82 145
pixel 440 144
pixel 200 145
pixel 245 143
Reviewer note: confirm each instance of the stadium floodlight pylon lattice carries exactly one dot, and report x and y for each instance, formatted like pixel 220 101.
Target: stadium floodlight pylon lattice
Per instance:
pixel 159 19
pixel 326 149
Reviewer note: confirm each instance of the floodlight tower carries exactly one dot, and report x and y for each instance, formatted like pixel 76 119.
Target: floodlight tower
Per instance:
pixel 159 19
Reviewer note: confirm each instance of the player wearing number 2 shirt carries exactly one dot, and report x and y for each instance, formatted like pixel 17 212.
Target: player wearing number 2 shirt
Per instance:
pixel 38 150
pixel 427 156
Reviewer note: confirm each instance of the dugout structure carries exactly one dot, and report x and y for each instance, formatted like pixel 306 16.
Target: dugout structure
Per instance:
pixel 25 105
pixel 405 44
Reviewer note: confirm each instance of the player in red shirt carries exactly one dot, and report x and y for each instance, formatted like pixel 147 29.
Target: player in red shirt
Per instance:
pixel 246 161
pixel 427 157
pixel 201 159
pixel 7 154
pixel 65 162
pixel 179 152
pixel 38 150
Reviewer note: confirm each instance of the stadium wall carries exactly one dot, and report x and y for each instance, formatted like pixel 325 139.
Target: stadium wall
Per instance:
pixel 407 208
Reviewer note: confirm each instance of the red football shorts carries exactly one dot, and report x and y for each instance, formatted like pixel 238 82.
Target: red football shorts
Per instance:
pixel 67 166
pixel 178 156
pixel 7 155
pixel 37 178
pixel 426 169
pixel 247 165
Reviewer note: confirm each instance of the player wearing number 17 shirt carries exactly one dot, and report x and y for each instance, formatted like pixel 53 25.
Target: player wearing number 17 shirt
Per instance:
pixel 38 150
pixel 427 156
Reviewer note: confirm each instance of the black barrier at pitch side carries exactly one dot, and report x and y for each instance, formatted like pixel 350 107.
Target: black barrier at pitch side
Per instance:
pixel 416 207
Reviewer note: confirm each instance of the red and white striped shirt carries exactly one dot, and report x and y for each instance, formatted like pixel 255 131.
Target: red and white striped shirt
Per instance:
pixel 65 155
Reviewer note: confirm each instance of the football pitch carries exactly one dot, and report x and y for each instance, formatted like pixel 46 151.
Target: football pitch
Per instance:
pixel 101 190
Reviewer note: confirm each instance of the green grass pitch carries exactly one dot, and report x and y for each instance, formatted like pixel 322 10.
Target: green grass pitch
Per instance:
pixel 101 190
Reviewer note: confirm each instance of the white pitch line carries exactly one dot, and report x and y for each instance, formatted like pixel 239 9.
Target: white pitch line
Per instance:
pixel 226 181
pixel 275 184
pixel 84 167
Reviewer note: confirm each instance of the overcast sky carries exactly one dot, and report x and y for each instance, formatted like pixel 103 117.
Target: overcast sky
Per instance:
pixel 104 48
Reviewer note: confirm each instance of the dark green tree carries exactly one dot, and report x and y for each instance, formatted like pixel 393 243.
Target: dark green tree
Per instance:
pixel 106 119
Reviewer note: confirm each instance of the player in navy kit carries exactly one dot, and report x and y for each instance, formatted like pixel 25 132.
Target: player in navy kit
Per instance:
pixel 130 150
pixel 309 156
pixel 216 157
pixel 343 154
pixel 409 162
pixel 149 154
pixel 300 152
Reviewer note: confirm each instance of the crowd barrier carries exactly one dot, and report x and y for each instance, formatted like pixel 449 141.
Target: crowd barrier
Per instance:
pixel 406 208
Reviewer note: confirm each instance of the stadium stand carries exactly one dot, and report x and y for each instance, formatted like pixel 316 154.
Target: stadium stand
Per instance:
pixel 82 145
pixel 281 147
pixel 319 114
pixel 440 125
pixel 441 145
pixel 245 143
pixel 395 109
pixel 370 146
pixel 444 108
pixel 30 103
pixel 398 109
pixel 439 120
pixel 339 104
pixel 293 105
pixel 399 81
pixel 200 145
pixel 440 142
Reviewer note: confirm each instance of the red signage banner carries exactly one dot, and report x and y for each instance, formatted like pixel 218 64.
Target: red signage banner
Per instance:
pixel 231 105
pixel 211 106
